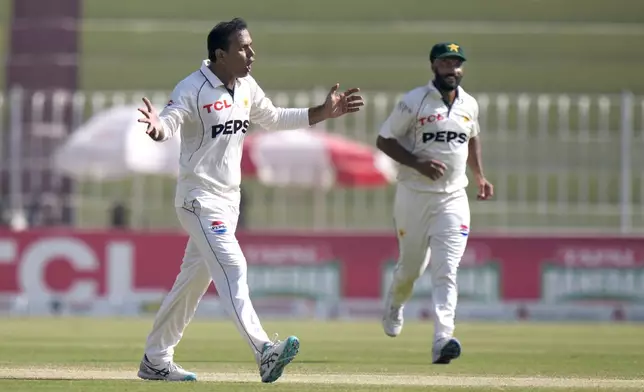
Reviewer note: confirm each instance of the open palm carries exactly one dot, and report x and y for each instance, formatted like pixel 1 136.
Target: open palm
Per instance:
pixel 151 117
pixel 338 104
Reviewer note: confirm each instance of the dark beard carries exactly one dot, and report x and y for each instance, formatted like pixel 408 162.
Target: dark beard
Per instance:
pixel 443 85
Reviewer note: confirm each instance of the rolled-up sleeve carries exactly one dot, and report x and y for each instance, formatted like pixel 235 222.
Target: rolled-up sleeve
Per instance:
pixel 179 109
pixel 272 118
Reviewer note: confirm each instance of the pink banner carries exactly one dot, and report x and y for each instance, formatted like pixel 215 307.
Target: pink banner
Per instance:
pixel 112 264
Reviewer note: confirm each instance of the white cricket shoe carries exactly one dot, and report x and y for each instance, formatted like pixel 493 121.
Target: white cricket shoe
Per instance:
pixel 169 371
pixel 445 350
pixel 275 356
pixel 392 320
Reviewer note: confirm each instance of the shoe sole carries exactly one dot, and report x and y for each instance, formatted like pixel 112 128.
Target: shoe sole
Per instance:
pixel 450 351
pixel 291 348
pixel 391 335
pixel 150 377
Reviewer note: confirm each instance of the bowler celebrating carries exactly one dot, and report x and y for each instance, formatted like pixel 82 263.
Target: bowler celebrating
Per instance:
pixel 212 110
pixel 433 133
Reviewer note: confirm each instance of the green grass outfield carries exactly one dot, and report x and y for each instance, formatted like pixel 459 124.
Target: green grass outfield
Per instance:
pixel 544 45
pixel 619 11
pixel 514 45
pixel 82 354
pixel 383 57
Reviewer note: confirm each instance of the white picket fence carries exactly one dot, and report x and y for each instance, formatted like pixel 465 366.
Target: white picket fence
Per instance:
pixel 559 162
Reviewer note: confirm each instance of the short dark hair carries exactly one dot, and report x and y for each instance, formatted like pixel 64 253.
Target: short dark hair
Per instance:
pixel 219 36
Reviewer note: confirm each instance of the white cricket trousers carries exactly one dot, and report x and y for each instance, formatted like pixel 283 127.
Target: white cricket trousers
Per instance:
pixel 432 230
pixel 212 254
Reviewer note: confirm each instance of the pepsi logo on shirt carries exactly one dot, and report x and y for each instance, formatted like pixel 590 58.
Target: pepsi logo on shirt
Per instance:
pixel 230 127
pixel 218 227
pixel 445 137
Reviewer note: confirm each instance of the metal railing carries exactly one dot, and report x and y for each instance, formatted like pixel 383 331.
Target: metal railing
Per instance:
pixel 558 162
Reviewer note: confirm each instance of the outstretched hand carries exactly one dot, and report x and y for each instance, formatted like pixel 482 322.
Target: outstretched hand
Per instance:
pixel 151 117
pixel 338 104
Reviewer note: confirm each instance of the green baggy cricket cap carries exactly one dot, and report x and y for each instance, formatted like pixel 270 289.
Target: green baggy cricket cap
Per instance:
pixel 446 49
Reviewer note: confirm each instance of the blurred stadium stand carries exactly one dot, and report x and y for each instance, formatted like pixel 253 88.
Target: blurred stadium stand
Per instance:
pixel 559 162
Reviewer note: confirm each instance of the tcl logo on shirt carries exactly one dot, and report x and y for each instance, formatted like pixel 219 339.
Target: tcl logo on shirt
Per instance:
pixel 217 106
pixel 432 118
pixel 444 137
pixel 230 127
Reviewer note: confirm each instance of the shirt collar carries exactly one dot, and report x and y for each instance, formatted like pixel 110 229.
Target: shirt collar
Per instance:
pixel 211 77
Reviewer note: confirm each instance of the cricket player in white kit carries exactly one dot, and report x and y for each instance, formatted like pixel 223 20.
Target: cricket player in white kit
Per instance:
pixel 433 133
pixel 212 110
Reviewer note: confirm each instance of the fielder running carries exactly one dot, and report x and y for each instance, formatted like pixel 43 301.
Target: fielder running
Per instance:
pixel 433 133
pixel 212 109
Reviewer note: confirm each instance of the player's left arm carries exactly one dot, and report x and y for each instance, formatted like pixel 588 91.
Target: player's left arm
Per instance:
pixel 475 162
pixel 269 117
pixel 264 112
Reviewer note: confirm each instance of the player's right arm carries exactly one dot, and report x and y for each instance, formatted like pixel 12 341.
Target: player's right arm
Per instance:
pixel 398 125
pixel 162 126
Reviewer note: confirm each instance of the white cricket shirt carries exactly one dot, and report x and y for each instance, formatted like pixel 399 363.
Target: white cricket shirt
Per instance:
pixel 212 124
pixel 425 126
